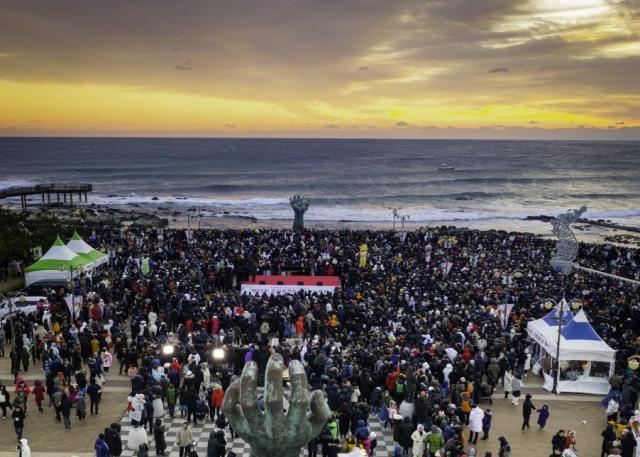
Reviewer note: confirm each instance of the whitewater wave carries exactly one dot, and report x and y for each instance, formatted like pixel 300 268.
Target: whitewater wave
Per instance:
pixel 267 208
pixel 179 200
pixel 6 183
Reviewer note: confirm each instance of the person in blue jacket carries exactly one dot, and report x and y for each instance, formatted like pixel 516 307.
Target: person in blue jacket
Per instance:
pixel 102 450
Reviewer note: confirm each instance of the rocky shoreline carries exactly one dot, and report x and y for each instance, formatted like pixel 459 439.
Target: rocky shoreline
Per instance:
pixel 163 215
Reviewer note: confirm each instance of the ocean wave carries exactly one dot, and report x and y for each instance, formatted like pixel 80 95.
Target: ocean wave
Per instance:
pixel 5 183
pixel 179 200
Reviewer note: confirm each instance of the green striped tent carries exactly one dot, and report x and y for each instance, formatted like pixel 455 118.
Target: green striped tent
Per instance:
pixel 55 264
pixel 93 256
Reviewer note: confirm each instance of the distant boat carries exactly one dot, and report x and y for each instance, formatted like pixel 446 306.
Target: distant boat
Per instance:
pixel 444 166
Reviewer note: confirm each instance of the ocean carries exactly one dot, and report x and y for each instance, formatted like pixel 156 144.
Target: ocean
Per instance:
pixel 345 180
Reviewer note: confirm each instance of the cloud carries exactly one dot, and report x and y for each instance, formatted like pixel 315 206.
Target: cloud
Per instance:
pixel 186 66
pixel 620 123
pixel 402 124
pixel 533 122
pixel 429 57
pixel 332 126
pixel 230 126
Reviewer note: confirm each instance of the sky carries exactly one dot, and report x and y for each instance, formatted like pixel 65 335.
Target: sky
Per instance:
pixel 511 69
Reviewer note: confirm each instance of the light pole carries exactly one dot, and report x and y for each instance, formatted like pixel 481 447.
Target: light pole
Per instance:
pixel 403 218
pixel 394 211
pixel 549 304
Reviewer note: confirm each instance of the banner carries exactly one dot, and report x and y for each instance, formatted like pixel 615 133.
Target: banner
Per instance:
pixel 78 304
pixel 259 289
pixel 503 312
pixel 145 266
pixel 284 285
pixel 364 249
pixel 36 252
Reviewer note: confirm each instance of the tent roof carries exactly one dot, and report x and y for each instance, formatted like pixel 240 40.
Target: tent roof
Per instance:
pixel 578 340
pixel 77 244
pixel 551 319
pixel 58 257
pixel 580 329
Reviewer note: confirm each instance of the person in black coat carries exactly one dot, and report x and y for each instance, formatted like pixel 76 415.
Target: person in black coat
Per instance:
pixel 608 437
pixel 112 437
pixel 627 443
pixel 405 436
pixel 65 411
pixel 527 409
pixel 190 398
pixel 216 444
pixel 158 436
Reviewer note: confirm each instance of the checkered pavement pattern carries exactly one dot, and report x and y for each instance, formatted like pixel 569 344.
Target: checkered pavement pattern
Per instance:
pixel 202 430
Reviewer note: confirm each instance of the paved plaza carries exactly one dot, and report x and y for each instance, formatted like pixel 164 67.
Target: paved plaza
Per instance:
pixel 49 439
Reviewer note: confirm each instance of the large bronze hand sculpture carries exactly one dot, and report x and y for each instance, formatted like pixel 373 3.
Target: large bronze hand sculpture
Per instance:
pixel 273 433
pixel 300 206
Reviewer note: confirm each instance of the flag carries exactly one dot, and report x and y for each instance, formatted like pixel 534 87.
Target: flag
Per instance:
pixel 363 255
pixel 145 265
pixel 503 312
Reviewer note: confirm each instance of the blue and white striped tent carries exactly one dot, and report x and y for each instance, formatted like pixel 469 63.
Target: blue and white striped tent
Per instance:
pixel 580 346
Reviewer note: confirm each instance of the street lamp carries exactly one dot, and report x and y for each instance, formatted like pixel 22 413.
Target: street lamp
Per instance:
pixel 394 211
pixel 218 354
pixel 549 303
pixel 168 349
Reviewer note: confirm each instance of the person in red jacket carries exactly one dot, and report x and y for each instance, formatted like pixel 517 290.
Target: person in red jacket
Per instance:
pixel 38 393
pixel 217 396
pixel 300 327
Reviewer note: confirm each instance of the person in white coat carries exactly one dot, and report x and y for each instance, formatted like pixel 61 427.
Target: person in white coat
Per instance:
pixel 475 423
pixel 23 448
pixel 137 406
pixel 107 360
pixel 446 372
pixel 418 437
pixel 206 376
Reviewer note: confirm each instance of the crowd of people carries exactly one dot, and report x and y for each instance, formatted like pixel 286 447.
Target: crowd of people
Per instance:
pixel 412 337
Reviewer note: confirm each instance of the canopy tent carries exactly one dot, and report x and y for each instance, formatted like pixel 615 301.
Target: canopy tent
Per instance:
pixel 55 265
pixel 79 246
pixel 586 361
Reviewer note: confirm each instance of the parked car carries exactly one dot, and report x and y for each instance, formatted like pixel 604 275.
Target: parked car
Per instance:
pixel 25 300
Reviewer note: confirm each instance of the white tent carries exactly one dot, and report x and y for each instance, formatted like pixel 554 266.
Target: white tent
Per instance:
pixel 56 265
pixel 94 257
pixel 586 361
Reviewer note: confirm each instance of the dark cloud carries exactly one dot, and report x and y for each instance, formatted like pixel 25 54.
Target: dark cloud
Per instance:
pixel 533 122
pixel 230 126
pixel 402 124
pixel 186 66
pixel 620 123
pixel 291 53
pixel 332 126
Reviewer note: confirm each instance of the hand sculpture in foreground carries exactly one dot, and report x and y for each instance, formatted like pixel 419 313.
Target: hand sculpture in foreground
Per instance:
pixel 273 433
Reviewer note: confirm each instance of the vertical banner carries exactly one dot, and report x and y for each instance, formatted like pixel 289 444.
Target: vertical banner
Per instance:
pixel 145 266
pixel 36 252
pixel 503 312
pixel 364 249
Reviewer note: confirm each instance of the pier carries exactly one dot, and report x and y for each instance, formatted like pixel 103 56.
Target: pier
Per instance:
pixel 67 189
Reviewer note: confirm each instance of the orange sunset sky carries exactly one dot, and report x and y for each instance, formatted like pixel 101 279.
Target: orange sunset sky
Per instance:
pixel 314 68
